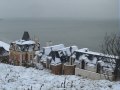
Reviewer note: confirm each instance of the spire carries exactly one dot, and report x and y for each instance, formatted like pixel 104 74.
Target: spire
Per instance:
pixel 26 36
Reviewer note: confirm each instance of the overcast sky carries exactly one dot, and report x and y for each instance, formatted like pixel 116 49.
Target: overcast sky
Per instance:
pixel 99 9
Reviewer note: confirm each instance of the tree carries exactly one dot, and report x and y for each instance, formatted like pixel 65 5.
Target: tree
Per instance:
pixel 111 46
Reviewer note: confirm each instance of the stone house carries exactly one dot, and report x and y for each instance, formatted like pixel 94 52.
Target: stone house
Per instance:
pixel 59 61
pixel 22 51
pixel 68 64
pixel 56 58
pixel 43 55
pixel 93 65
pixel 4 52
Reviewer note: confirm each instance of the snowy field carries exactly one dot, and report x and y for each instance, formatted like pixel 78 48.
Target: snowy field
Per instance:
pixel 21 78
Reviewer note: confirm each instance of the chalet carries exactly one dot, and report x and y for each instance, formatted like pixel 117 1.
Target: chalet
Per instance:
pixel 22 51
pixel 93 65
pixel 4 52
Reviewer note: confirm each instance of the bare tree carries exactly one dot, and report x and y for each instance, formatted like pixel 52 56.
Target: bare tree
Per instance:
pixel 111 46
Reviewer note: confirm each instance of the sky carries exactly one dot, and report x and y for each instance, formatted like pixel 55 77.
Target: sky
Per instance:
pixel 84 9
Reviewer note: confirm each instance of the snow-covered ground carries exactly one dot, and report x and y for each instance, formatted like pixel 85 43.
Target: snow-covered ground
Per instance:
pixel 21 78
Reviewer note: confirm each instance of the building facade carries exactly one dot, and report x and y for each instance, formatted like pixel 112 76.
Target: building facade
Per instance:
pixel 23 51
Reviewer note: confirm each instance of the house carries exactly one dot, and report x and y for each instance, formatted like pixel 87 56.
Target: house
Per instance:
pixel 68 65
pixel 93 65
pixel 59 61
pixel 4 52
pixel 42 55
pixel 23 51
pixel 56 58
pixel 55 63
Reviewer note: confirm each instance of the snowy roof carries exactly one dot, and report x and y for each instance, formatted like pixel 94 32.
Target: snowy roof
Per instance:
pixel 86 51
pixel 57 61
pixel 83 50
pixel 54 47
pixel 94 60
pixel 94 53
pixel 4 45
pixel 23 42
pixel 67 50
pixel 83 57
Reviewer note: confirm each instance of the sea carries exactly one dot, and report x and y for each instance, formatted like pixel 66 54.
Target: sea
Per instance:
pixel 83 33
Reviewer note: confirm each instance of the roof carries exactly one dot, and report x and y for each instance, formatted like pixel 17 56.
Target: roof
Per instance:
pixel 68 50
pixel 23 42
pixel 82 50
pixel 86 51
pixel 26 36
pixel 52 48
pixel 4 45
pixel 57 61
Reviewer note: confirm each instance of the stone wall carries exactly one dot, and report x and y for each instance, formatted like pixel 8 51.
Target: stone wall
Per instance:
pixel 91 68
pixel 56 69
pixel 19 58
pixel 91 75
pixel 48 64
pixel 69 69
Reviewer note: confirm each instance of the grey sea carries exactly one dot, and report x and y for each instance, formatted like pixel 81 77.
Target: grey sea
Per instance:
pixel 83 33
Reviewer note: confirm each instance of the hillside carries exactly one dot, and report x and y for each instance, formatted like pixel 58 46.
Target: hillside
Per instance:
pixel 21 78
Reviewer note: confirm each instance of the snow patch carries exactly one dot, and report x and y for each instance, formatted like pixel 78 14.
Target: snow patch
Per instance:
pixel 4 45
pixel 21 78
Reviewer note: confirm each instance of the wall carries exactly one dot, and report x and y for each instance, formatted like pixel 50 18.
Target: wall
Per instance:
pixel 69 69
pixel 91 68
pixel 91 75
pixel 56 69
pixel 19 57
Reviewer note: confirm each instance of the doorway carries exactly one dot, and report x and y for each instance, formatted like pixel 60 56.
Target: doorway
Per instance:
pixel 83 64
